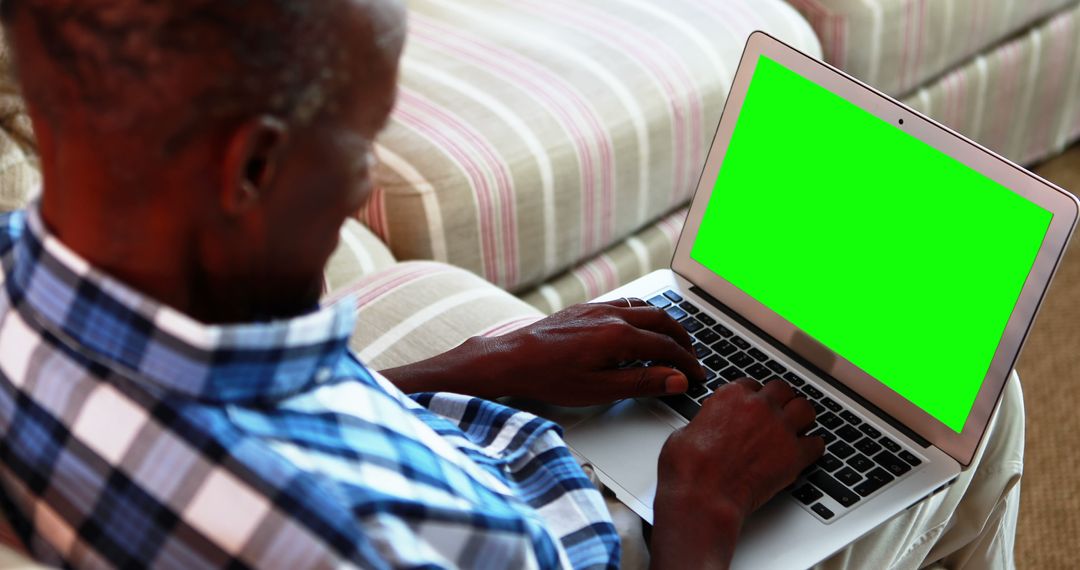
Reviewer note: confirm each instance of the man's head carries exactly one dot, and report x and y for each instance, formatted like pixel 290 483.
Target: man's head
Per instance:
pixel 218 141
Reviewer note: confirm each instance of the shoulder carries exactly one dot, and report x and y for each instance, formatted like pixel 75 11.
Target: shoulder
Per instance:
pixel 12 225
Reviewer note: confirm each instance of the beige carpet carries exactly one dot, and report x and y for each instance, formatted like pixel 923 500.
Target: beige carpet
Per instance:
pixel 1049 533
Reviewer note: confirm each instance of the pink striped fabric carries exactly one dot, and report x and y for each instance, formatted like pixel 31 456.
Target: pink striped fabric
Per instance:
pixel 643 252
pixel 897 45
pixel 552 130
pixel 416 310
pixel 1021 98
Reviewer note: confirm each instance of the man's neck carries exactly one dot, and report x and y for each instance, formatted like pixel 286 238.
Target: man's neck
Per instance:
pixel 153 250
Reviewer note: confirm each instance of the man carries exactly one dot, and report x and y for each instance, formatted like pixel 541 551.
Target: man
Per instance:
pixel 171 394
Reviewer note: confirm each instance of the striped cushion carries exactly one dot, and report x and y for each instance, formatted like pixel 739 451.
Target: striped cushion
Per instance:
pixel 419 309
pixel 358 253
pixel 896 45
pixel 1021 99
pixel 531 135
pixel 641 253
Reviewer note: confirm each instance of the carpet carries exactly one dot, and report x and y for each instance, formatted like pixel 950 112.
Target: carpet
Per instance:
pixel 1049 529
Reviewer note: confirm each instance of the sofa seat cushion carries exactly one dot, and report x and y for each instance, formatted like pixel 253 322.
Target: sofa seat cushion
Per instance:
pixel 416 310
pixel 358 253
pixel 531 135
pixel 897 45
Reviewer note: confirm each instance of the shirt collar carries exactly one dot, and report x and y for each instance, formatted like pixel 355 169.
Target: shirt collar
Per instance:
pixel 126 331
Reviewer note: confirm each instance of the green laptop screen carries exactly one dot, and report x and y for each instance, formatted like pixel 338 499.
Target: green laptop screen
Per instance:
pixel 890 253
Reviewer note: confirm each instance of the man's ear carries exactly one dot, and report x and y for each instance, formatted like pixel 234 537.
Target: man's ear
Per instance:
pixel 252 159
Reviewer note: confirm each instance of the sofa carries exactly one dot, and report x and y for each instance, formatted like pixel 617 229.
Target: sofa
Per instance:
pixel 516 150
pixel 543 152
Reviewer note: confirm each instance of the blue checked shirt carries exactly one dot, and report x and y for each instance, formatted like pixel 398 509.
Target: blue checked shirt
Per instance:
pixel 134 436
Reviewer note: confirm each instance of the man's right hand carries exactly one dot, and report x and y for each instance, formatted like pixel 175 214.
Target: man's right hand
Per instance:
pixel 743 447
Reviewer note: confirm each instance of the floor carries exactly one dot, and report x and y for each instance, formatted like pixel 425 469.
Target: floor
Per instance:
pixel 1049 368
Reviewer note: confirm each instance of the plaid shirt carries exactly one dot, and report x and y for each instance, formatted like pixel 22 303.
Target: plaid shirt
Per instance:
pixel 133 436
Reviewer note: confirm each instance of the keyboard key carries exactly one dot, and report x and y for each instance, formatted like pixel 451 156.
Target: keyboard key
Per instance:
pixel 823 434
pixel 673 296
pixel 850 417
pixel 818 408
pixel 868 446
pixel 860 462
pixel 740 342
pixel 676 313
pixel 829 462
pixel 689 308
pixel 807 494
pixel 829 420
pixel 833 488
pixel 691 324
pixel 813 392
pixel 870 431
pixel 877 479
pixel 848 433
pixel 715 383
pixel 702 351
pixel 724 347
pixel 910 458
pixel 892 463
pixel 757 354
pixel 794 379
pixel 775 366
pixel 841 449
pixel 660 301
pixel 709 321
pixel 822 511
pixel 709 375
pixel 716 362
pixel 830 404
pixel 686 407
pixel 889 444
pixel 696 390
pixel 707 336
pixel 758 372
pixel 732 373
pixel 880 475
pixel 847 476
pixel 741 359
pixel 724 331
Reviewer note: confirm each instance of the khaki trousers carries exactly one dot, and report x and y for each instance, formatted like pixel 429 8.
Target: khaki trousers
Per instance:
pixel 970 524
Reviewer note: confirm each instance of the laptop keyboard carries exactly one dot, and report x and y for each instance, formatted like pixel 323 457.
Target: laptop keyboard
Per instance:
pixel 859 460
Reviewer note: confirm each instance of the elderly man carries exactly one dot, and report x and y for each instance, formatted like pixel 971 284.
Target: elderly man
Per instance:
pixel 172 395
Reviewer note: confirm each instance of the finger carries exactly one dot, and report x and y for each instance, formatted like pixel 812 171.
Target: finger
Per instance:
pixel 656 347
pixel 812 447
pixel 748 383
pixel 799 414
pixel 641 381
pixel 624 303
pixel 657 320
pixel 779 393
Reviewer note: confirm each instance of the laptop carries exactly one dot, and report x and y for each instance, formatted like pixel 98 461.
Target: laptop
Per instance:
pixel 886 267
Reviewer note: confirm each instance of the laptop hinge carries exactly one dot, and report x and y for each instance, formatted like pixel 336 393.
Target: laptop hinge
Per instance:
pixel 810 366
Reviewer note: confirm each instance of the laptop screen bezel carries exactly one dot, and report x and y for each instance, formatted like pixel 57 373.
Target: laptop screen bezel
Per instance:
pixel 1064 207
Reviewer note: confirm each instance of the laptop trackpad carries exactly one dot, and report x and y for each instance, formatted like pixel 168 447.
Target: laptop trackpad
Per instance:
pixel 623 444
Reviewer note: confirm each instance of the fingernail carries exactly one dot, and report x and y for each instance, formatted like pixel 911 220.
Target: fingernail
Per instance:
pixel 675 384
